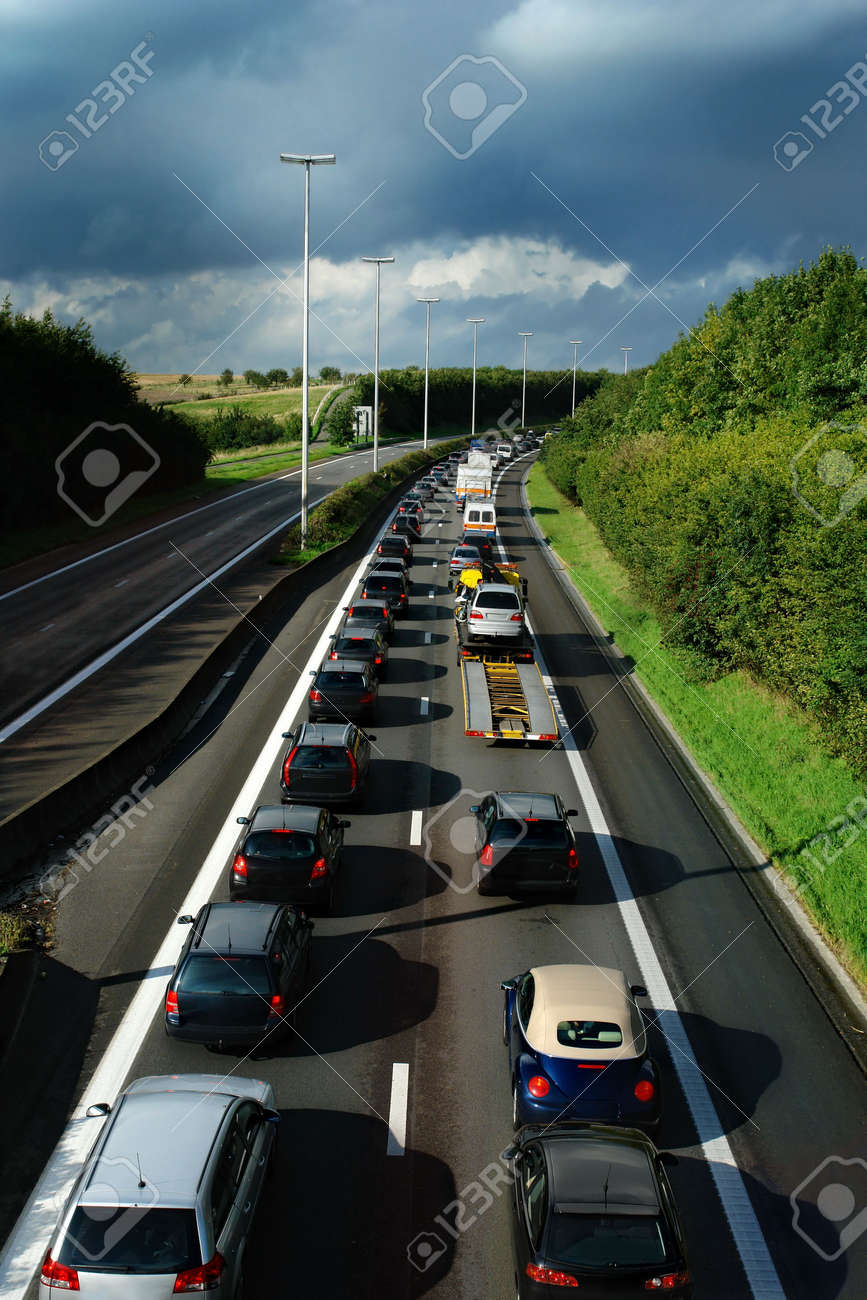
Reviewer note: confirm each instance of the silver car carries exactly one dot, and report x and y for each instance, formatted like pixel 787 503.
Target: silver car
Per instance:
pixel 496 610
pixel 165 1200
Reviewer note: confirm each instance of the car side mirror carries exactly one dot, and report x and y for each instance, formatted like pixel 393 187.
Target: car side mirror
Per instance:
pixel 638 990
pixel 508 985
pixel 668 1158
pixel 343 824
pixel 288 735
pixel 186 919
pixel 368 735
pixel 571 812
pixel 312 672
pixel 98 1110
pixel 243 821
pixel 512 1153
pixel 271 1117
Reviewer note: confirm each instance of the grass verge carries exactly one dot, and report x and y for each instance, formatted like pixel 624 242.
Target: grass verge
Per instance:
pixel 805 808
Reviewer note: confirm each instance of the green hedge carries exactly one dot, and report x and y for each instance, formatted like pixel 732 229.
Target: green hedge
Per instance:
pixel 706 475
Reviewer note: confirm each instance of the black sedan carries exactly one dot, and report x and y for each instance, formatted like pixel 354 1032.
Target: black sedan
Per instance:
pixel 390 546
pixel 370 613
pixel 343 688
pixel 483 545
pixel 407 526
pixel 390 587
pixel 593 1210
pixel 288 853
pixel 367 644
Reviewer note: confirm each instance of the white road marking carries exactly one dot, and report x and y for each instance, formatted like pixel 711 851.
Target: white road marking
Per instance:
pixel 22 1253
pixel 122 582
pixel 431 595
pixel 415 827
pixel 424 704
pixel 47 626
pixel 397 1113
pixel 427 636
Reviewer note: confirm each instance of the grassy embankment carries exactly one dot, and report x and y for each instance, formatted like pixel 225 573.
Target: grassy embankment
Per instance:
pixel 765 756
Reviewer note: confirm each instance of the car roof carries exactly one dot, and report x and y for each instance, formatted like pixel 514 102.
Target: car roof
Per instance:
pixel 542 807
pixel 323 733
pixel 169 1136
pixel 591 1174
pixel 583 992
pixel 284 817
pixel 242 926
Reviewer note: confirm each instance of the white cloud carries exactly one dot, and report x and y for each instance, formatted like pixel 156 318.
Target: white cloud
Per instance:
pixel 495 267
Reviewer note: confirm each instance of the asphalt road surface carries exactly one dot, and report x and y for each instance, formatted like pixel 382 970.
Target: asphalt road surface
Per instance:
pixel 407 971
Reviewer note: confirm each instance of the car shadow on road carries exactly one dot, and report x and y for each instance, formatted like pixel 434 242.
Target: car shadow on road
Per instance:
pixel 401 785
pixel 412 638
pixel 403 671
pixel 339 1215
pixel 404 711
pixel 375 880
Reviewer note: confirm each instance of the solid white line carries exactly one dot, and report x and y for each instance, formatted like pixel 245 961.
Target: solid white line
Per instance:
pixel 427 636
pixel 397 1113
pixel 22 1253
pixel 431 595
pixel 415 827
pixel 122 582
pixel 47 626
pixel 425 705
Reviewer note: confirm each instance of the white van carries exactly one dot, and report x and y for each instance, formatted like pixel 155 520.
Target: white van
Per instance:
pixel 504 451
pixel 480 517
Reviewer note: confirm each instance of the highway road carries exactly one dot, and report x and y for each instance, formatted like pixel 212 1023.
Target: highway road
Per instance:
pixel 759 1089
pixel 59 619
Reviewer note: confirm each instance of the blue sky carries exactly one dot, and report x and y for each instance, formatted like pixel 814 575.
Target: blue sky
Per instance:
pixel 596 153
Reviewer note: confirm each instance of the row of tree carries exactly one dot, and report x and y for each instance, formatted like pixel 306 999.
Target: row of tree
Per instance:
pixel 278 377
pixel 730 478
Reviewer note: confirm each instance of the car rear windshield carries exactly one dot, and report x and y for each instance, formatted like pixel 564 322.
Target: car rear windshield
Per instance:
pixel 589 1033
pixel 315 757
pixel 497 600
pixel 338 679
pixel 279 844
pixel 600 1240
pixel 546 833
pixel 466 553
pixel 357 644
pixel 129 1238
pixel 384 582
pixel 368 609
pixel 213 973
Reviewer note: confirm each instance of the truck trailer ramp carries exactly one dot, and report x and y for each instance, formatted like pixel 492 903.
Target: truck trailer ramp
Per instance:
pixel 504 700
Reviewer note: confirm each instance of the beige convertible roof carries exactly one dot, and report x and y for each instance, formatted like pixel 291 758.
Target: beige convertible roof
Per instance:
pixel 574 992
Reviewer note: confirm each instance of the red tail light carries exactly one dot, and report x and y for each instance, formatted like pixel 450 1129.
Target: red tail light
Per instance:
pixel 286 763
pixel 173 1014
pixel 585 1065
pixel 276 1007
pixel 59 1276
pixel 320 869
pixel 644 1090
pixel 204 1278
pixel 517 618
pixel 551 1276
pixel 239 867
pixel 538 1086
pixel 353 766
pixel 487 858
pixel 367 697
pixel 316 696
pixel 378 659
pixel 333 654
pixel 403 595
pixel 573 860
pixel 666 1281
pixel 364 595
pixel 473 614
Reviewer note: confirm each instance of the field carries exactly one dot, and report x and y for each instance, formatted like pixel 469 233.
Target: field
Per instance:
pixel 277 402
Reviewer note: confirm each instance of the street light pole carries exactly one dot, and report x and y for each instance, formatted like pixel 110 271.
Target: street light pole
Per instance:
pixel 574 343
pixel 475 321
pixel 524 334
pixel 378 262
pixel 309 160
pixel 626 352
pixel 427 302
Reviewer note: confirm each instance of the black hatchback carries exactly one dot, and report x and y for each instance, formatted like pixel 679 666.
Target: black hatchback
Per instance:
pixel 365 643
pixel 288 853
pixel 391 587
pixel 240 974
pixel 343 688
pixel 325 763
pixel 525 842
pixel 593 1210
pixel 391 545
pixel 407 526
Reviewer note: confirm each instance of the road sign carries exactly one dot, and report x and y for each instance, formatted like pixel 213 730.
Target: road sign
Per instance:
pixel 363 419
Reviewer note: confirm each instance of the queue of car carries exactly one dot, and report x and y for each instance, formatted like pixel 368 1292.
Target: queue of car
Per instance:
pixel 592 1208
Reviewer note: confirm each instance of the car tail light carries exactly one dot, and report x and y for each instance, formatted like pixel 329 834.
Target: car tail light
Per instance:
pixel 403 595
pixel 204 1278
pixel 517 618
pixel 276 1007
pixel 379 550
pixel 473 614
pixel 333 654
pixel 585 1065
pixel 59 1276
pixel 364 595
pixel 320 869
pixel 667 1281
pixel 487 858
pixel 538 1086
pixel 315 696
pixel 573 860
pixel 378 659
pixel 551 1276
pixel 644 1090
pixel 367 697
pixel 353 771
pixel 239 867
pixel 173 1014
pixel 287 762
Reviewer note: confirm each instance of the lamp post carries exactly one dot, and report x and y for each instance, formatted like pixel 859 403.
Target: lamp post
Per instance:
pixel 524 334
pixel 378 261
pixel 309 160
pixel 574 343
pixel 626 352
pixel 475 321
pixel 427 302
